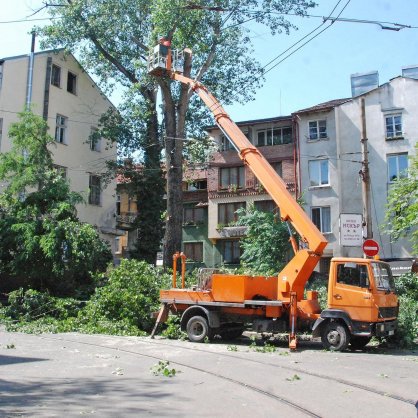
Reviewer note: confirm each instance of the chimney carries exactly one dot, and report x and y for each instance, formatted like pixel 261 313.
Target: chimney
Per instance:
pixel 410 72
pixel 364 82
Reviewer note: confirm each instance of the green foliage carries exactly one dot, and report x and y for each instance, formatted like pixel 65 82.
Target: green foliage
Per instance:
pixel 407 289
pixel 114 38
pixel 122 306
pixel 293 378
pixel 131 294
pixel 173 330
pixel 162 369
pixel 402 208
pixel 408 321
pixel 319 283
pixel 407 285
pixel 29 305
pixel 266 242
pixel 38 226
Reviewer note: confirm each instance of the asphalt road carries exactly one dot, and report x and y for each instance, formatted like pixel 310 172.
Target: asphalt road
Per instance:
pixel 72 375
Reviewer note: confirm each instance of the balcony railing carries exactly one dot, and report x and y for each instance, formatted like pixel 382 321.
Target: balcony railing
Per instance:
pixel 126 218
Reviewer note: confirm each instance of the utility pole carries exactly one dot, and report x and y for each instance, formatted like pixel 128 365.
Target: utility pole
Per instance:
pixel 365 175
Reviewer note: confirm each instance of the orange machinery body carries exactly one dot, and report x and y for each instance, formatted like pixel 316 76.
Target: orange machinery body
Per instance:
pixel 243 295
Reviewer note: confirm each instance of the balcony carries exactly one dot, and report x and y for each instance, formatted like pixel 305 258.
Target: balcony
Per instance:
pixel 231 231
pixel 125 220
pixel 195 196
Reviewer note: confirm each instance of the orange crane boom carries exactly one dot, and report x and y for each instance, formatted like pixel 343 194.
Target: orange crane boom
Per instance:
pixel 298 270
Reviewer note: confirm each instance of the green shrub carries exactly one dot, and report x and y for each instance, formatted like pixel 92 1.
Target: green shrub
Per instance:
pixel 407 285
pixel 131 294
pixel 30 305
pixel 407 321
pixel 173 330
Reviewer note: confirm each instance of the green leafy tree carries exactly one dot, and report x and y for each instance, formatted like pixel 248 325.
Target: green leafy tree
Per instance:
pixel 113 39
pixel 41 241
pixel 402 207
pixel 266 241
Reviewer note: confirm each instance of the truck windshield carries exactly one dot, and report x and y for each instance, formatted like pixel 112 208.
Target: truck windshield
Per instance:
pixel 383 277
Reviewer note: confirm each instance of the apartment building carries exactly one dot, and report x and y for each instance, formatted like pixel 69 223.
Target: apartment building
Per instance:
pixel 232 185
pixel 330 161
pixel 59 90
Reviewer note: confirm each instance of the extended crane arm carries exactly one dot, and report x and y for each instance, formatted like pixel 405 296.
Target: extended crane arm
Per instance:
pixel 296 273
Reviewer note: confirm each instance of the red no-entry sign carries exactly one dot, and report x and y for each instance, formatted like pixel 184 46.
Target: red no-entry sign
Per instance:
pixel 370 247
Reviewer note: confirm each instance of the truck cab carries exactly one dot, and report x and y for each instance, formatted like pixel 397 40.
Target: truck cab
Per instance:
pixel 361 303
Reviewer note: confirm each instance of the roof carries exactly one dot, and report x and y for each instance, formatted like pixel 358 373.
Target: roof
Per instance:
pixel 255 121
pixel 56 52
pixel 48 51
pixel 324 106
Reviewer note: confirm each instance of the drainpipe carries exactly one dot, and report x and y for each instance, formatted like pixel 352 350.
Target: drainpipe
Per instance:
pixel 30 73
pixel 297 165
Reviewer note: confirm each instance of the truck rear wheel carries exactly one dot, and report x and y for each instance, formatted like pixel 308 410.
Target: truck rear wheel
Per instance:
pixel 198 329
pixel 335 336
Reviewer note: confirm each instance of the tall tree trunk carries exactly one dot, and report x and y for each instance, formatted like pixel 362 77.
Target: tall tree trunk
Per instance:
pixel 150 191
pixel 175 129
pixel 173 158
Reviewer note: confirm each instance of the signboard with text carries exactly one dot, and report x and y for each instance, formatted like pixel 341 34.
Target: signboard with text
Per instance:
pixel 351 230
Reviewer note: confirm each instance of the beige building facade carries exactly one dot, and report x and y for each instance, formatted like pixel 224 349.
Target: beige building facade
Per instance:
pixel 69 100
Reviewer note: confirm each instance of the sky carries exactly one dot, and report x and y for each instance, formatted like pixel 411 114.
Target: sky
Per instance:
pixel 319 71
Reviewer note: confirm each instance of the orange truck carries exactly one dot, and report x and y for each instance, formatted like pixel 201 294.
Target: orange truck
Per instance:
pixel 361 297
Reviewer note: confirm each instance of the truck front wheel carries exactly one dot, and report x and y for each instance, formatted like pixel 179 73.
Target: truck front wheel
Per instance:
pixel 197 329
pixel 335 336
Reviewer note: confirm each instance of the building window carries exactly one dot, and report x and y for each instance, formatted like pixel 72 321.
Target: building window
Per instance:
pixel 317 129
pixel 118 246
pixel 1 73
pixel 56 75
pixel 231 251
pixel 277 168
pixel 194 251
pixel 72 83
pixel 232 176
pixel 227 212
pixel 61 170
pixel 393 126
pixel 193 215
pixel 397 166
pixel 321 217
pixel 95 140
pixel 318 173
pixel 95 190
pixel 265 205
pixel 274 136
pixel 60 129
pixel 226 144
pixel 118 204
pixel 197 185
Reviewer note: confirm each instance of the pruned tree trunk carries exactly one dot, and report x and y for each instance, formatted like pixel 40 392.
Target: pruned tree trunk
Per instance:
pixel 175 131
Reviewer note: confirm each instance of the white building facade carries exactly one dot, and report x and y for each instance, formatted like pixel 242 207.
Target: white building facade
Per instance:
pixel 330 160
pixel 72 104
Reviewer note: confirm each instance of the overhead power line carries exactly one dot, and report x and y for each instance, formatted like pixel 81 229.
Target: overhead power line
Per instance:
pixel 383 24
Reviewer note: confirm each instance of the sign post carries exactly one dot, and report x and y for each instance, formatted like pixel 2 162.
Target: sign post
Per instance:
pixel 370 247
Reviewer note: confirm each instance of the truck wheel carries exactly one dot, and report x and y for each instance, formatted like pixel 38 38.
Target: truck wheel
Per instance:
pixel 198 329
pixel 335 336
pixel 358 343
